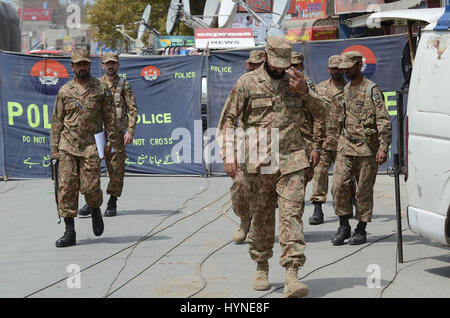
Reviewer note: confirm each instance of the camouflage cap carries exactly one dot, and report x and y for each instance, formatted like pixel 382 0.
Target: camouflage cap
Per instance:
pixel 80 55
pixel 278 50
pixel 334 61
pixel 350 58
pixel 110 56
pixel 297 58
pixel 256 56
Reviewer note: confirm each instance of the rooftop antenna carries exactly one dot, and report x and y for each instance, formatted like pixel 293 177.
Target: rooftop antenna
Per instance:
pixel 178 12
pixel 172 16
pixel 145 23
pixel 274 29
pixel 186 7
pixel 210 11
pixel 227 13
pixel 279 11
pixel 137 42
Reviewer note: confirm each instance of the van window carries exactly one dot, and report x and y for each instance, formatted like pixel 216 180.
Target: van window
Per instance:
pixel 434 64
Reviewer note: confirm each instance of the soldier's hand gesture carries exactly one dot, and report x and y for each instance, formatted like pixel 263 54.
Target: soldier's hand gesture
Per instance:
pixel 381 157
pixel 231 168
pixel 297 81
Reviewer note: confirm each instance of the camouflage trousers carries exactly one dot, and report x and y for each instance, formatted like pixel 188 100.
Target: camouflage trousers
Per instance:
pixel 238 196
pixel 116 170
pixel 364 171
pixel 263 192
pixel 320 178
pixel 78 174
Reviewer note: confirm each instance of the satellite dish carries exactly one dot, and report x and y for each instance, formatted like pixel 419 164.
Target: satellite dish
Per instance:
pixel 210 11
pixel 227 12
pixel 280 8
pixel 186 7
pixel 172 16
pixel 144 21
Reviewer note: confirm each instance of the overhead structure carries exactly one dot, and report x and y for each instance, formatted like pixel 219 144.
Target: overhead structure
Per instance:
pixel 274 29
pixel 279 11
pixel 210 11
pixel 227 12
pixel 172 16
pixel 177 13
pixel 137 42
pixel 186 7
pixel 144 22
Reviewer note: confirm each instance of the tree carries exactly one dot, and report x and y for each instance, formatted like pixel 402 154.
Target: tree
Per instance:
pixel 104 15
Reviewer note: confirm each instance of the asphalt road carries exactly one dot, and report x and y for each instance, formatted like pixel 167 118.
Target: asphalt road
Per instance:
pixel 172 239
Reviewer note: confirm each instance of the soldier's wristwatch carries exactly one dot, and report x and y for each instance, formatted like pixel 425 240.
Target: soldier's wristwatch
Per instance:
pixel 319 151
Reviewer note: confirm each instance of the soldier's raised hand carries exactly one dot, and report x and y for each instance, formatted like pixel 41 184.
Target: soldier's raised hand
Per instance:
pixel 297 81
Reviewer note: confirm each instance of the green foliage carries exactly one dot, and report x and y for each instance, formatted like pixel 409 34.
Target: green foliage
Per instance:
pixel 104 15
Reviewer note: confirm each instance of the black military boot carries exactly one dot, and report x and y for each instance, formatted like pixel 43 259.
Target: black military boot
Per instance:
pixel 111 209
pixel 84 211
pixel 97 221
pixel 360 234
pixel 69 237
pixel 343 231
pixel 317 217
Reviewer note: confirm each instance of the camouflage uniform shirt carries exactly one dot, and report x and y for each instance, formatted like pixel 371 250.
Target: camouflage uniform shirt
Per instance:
pixel 78 115
pixel 311 125
pixel 264 106
pixel 336 108
pixel 367 126
pixel 129 113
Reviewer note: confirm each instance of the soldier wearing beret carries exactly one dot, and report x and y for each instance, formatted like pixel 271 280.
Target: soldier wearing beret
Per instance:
pixel 83 107
pixel 366 133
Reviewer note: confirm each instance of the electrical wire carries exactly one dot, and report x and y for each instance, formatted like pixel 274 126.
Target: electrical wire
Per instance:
pixel 130 246
pixel 167 252
pixel 332 263
pixel 147 235
pixel 396 269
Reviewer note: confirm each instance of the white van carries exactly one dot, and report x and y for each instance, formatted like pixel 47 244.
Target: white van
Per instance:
pixel 427 122
pixel 428 134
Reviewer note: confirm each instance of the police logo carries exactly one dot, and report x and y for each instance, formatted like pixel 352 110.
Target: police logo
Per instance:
pixel 150 73
pixel 47 76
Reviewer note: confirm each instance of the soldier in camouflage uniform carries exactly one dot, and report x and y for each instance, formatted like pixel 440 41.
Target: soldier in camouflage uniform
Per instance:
pixel 363 145
pixel 255 60
pixel 126 113
pixel 83 107
pixel 238 188
pixel 309 124
pixel 267 104
pixel 333 89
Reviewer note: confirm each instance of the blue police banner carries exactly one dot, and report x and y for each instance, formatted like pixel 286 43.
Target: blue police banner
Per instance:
pixel 29 85
pixel 168 138
pixel 224 69
pixel 168 92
